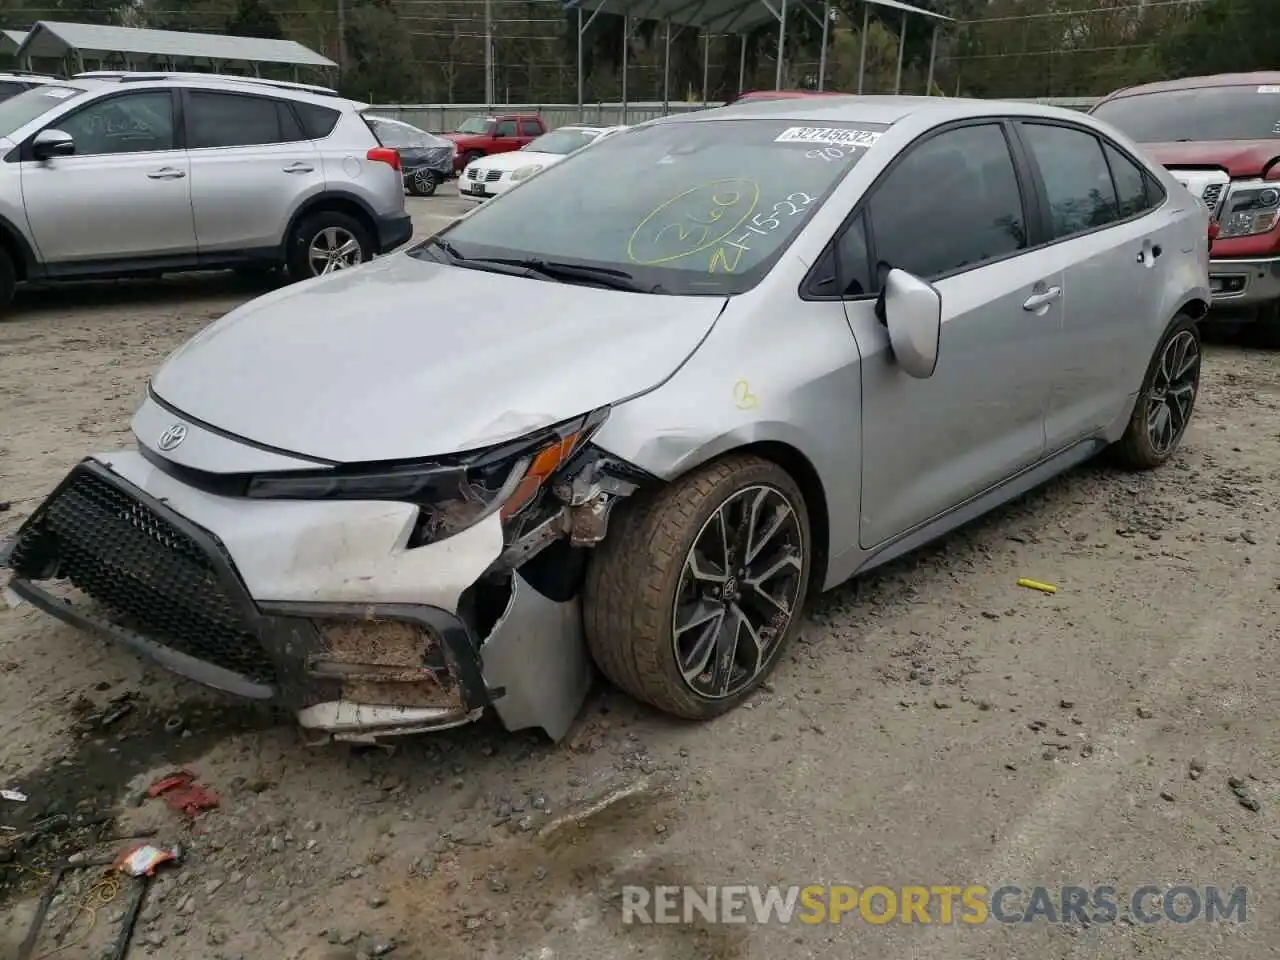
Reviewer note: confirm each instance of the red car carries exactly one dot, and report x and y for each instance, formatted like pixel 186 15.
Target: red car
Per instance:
pixel 480 136
pixel 1220 136
pixel 752 96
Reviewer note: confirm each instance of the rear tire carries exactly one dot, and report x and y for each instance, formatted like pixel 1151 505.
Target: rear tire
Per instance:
pixel 8 281
pixel 327 229
pixel 1167 399
pixel 423 183
pixel 1265 330
pixel 675 627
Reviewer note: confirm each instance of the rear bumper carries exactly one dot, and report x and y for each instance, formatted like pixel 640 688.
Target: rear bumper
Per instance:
pixel 394 232
pixel 200 584
pixel 1244 283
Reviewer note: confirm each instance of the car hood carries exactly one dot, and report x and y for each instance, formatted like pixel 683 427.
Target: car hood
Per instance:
pixel 515 159
pixel 1240 158
pixel 407 358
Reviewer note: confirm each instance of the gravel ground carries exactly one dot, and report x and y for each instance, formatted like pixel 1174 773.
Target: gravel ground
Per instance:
pixel 934 725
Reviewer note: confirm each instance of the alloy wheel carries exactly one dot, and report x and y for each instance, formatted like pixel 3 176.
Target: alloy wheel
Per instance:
pixel 424 180
pixel 737 592
pixel 1173 392
pixel 333 248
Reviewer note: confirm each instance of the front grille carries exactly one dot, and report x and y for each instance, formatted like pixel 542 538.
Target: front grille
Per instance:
pixel 475 174
pixel 1212 196
pixel 493 175
pixel 150 576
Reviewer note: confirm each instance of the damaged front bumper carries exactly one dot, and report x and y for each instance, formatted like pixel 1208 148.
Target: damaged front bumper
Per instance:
pixel 318 606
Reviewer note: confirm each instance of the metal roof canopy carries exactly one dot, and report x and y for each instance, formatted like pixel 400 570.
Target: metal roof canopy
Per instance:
pixel 56 40
pixel 741 17
pixel 11 40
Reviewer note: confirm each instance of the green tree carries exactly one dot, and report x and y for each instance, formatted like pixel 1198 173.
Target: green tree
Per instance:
pixel 253 18
pixel 1224 36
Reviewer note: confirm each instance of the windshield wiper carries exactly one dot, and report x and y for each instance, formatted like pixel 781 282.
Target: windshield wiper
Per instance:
pixel 575 272
pixel 547 270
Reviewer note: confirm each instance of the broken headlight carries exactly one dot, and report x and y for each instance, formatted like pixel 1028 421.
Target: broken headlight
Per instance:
pixel 453 493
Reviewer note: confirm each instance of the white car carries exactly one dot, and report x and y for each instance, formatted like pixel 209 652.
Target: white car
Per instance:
pixel 495 175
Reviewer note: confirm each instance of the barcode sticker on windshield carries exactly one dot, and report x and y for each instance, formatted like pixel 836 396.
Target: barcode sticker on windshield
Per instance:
pixel 828 136
pixel 1269 89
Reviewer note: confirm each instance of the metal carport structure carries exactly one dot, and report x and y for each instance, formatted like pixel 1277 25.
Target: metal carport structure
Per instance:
pixel 740 17
pixel 59 41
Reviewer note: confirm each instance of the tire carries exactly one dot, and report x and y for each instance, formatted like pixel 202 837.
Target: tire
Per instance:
pixel 638 574
pixel 470 157
pixel 423 183
pixel 1265 330
pixel 312 229
pixel 1137 450
pixel 8 281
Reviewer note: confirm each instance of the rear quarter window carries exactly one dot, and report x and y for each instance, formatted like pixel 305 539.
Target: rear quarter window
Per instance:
pixel 317 121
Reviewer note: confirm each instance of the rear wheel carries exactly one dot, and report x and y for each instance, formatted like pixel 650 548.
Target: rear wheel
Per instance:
pixel 1265 330
pixel 326 242
pixel 8 280
pixel 423 183
pixel 1168 397
pixel 691 599
pixel 470 157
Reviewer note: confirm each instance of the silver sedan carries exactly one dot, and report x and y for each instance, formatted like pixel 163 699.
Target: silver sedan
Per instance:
pixel 636 412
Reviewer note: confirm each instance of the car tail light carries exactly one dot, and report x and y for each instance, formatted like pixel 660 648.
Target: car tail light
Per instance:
pixel 385 155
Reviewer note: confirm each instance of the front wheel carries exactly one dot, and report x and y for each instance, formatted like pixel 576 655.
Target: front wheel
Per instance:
pixel 691 599
pixel 423 183
pixel 1167 399
pixel 326 242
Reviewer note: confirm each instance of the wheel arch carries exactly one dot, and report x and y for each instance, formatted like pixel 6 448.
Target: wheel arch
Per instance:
pixel 1197 308
pixel 337 200
pixel 19 250
pixel 798 466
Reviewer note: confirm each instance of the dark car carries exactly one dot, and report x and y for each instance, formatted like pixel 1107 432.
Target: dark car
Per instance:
pixel 427 160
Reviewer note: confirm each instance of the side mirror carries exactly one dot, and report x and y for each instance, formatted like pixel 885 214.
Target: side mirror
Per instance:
pixel 913 314
pixel 52 143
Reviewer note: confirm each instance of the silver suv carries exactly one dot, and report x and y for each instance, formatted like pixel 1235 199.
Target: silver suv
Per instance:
pixel 142 174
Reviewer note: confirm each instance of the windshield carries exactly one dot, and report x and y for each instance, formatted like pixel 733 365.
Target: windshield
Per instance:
pixel 561 141
pixel 473 125
pixel 392 133
pixel 17 112
pixel 1205 113
pixel 701 208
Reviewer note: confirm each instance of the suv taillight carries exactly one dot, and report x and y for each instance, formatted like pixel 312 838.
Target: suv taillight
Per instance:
pixel 385 155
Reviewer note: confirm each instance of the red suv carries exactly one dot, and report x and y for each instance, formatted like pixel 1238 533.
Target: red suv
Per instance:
pixel 1220 136
pixel 481 136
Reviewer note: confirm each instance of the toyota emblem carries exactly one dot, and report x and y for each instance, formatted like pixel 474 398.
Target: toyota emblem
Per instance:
pixel 172 437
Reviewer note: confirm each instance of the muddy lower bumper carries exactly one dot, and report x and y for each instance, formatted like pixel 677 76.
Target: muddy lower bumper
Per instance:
pixel 316 606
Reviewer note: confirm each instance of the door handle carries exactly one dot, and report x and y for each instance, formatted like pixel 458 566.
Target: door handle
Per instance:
pixel 1038 300
pixel 298 168
pixel 166 173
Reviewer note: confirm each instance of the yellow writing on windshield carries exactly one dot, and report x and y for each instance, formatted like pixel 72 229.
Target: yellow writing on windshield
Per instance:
pixel 692 221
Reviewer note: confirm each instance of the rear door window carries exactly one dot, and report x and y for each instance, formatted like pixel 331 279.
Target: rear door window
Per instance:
pixel 1133 186
pixel 530 128
pixel 231 120
pixel 1076 178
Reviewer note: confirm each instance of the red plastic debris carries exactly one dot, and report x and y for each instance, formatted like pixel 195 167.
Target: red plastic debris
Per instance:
pixel 183 794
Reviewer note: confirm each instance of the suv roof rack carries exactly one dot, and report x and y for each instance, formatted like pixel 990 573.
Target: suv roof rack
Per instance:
pixel 30 73
pixel 139 76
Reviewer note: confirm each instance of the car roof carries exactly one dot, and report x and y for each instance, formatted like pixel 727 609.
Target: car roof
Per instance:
pixel 108 79
pixel 1259 78
pixel 870 109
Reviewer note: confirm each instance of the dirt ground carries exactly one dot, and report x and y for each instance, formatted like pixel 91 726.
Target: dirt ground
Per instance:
pixel 935 724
